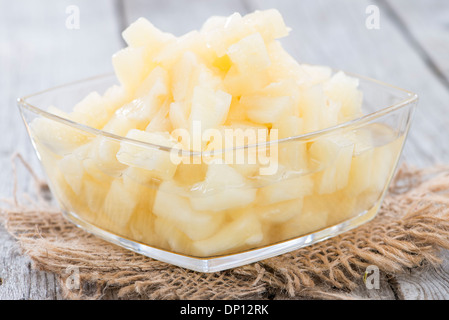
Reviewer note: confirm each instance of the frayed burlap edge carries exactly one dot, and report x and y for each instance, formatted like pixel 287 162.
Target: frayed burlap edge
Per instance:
pixel 408 232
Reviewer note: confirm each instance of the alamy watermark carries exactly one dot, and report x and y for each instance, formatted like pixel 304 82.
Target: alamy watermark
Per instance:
pixel 245 146
pixel 372 21
pixel 372 277
pixel 72 22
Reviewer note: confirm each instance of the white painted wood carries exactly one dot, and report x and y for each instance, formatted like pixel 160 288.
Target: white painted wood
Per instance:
pixel 37 51
pixel 426 23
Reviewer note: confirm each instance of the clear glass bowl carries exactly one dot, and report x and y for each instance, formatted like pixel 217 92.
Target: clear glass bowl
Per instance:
pixel 326 182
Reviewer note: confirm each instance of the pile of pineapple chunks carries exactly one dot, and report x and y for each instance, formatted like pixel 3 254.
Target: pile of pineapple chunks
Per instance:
pixel 231 73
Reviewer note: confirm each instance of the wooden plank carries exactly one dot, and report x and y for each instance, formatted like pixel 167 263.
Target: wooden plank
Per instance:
pixel 179 17
pixel 431 283
pixel 426 24
pixel 38 51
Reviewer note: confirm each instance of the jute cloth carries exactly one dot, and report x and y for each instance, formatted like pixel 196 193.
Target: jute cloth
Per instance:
pixel 408 232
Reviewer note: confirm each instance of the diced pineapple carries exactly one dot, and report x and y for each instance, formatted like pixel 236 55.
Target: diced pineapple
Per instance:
pixel 73 172
pixel 264 109
pixel 312 108
pixel 130 66
pixel 179 115
pixel 343 89
pixel 220 33
pixel 90 111
pixel 161 121
pixel 172 206
pixel 243 83
pixel 191 41
pixel 119 205
pixel 339 206
pixel 58 137
pixel 315 74
pixel 138 113
pixel 280 212
pixel 102 157
pixel 155 86
pixel 284 186
pixel 309 220
pixel 241 232
pixel 222 189
pixel 190 174
pixel 269 23
pixel 209 108
pixel 292 154
pixel 283 65
pixel 332 155
pixel 170 237
pixel 249 54
pixel 95 192
pixel 143 33
pixel 155 158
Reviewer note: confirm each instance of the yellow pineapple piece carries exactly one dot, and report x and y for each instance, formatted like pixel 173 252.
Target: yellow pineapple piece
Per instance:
pixel 249 54
pixel 222 189
pixel 243 232
pixel 142 33
pixel 283 186
pixel 171 205
pixel 154 157
pixel 332 156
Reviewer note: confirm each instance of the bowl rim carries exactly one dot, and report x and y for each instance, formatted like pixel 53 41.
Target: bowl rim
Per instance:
pixel 410 99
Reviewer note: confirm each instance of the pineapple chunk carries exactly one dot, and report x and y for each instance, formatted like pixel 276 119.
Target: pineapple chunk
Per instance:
pixel 280 212
pixel 292 154
pixel 191 41
pixel 119 205
pixel 143 33
pixel 172 206
pixel 245 83
pixel 73 172
pixel 315 74
pixel 284 186
pixel 222 32
pixel 263 109
pixel 138 113
pixel 222 189
pixel 242 232
pixel 59 138
pixel 309 220
pixel 312 108
pixel 269 23
pixel 130 67
pixel 170 237
pixel 249 54
pixel 209 108
pixel 333 156
pixel 91 111
pixel 342 89
pixel 155 159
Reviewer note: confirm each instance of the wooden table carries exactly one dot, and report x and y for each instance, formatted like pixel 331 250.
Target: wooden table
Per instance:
pixel 410 49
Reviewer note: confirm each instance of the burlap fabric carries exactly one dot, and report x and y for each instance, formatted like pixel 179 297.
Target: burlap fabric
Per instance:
pixel 410 229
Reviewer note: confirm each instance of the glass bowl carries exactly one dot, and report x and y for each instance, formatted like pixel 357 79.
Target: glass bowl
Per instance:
pixel 206 217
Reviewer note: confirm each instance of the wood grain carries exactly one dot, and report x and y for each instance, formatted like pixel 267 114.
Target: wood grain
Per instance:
pixel 37 51
pixel 426 25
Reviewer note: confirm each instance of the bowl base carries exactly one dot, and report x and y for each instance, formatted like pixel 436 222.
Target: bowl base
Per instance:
pixel 219 263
